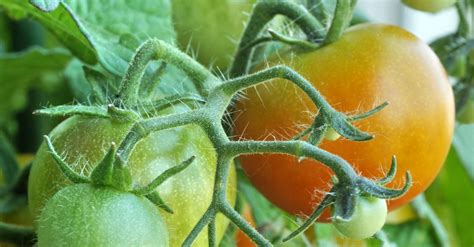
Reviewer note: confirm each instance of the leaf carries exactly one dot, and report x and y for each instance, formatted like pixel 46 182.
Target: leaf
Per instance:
pixel 8 164
pixel 45 5
pixel 92 29
pixel 61 23
pixel 11 202
pixel 411 233
pixel 452 197
pixel 464 144
pixel 5 39
pixel 35 67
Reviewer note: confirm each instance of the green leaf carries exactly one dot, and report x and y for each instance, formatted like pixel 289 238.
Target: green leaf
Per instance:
pixel 45 5
pixel 106 21
pixel 36 67
pixel 92 29
pixel 8 164
pixel 5 38
pixel 452 197
pixel 412 233
pixel 464 144
pixel 61 23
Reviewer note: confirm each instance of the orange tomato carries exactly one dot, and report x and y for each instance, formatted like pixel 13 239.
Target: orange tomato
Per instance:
pixel 368 65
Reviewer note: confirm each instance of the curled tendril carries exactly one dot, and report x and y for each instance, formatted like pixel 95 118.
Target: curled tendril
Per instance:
pixel 372 188
pixel 391 172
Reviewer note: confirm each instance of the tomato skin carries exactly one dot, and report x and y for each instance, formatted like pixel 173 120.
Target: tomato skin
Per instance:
pixel 432 6
pixel 370 64
pixel 188 193
pixel 211 27
pixel 87 215
pixel 368 218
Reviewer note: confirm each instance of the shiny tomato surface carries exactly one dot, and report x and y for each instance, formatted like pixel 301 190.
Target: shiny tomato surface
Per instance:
pixel 368 65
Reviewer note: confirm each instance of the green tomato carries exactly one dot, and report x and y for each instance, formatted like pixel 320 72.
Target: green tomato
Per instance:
pixel 83 141
pixel 211 28
pixel 432 6
pixel 368 218
pixel 87 215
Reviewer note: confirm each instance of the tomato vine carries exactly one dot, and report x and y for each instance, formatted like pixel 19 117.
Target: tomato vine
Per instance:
pixel 215 97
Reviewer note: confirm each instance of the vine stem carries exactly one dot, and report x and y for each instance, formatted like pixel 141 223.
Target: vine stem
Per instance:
pixel 155 49
pixel 143 128
pixel 339 166
pixel 340 21
pixel 263 13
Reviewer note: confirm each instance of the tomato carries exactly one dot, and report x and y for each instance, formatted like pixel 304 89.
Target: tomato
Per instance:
pixel 211 28
pixel 432 6
pixel 87 215
pixel 368 65
pixel 85 140
pixel 368 218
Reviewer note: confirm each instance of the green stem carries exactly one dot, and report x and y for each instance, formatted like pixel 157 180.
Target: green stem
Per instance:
pixel 233 86
pixel 203 222
pixel 424 210
pixel 263 13
pixel 211 234
pixel 341 19
pixel 463 26
pixel 143 128
pixel 342 169
pixel 239 221
pixel 163 177
pixel 16 234
pixel 155 49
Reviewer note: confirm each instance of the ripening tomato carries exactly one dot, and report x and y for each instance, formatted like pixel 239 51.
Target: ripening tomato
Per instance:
pixel 83 141
pixel 432 6
pixel 368 65
pixel 88 215
pixel 368 218
pixel 211 28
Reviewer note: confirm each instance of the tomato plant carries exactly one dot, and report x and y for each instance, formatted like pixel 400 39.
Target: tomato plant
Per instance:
pixel 429 5
pixel 88 215
pixel 368 65
pixel 85 140
pixel 210 27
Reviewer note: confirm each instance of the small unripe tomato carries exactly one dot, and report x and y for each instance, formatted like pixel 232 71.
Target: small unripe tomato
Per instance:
pixel 368 218
pixel 432 6
pixel 87 215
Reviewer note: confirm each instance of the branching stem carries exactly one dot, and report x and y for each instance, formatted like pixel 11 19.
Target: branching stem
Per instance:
pixel 263 13
pixel 155 49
